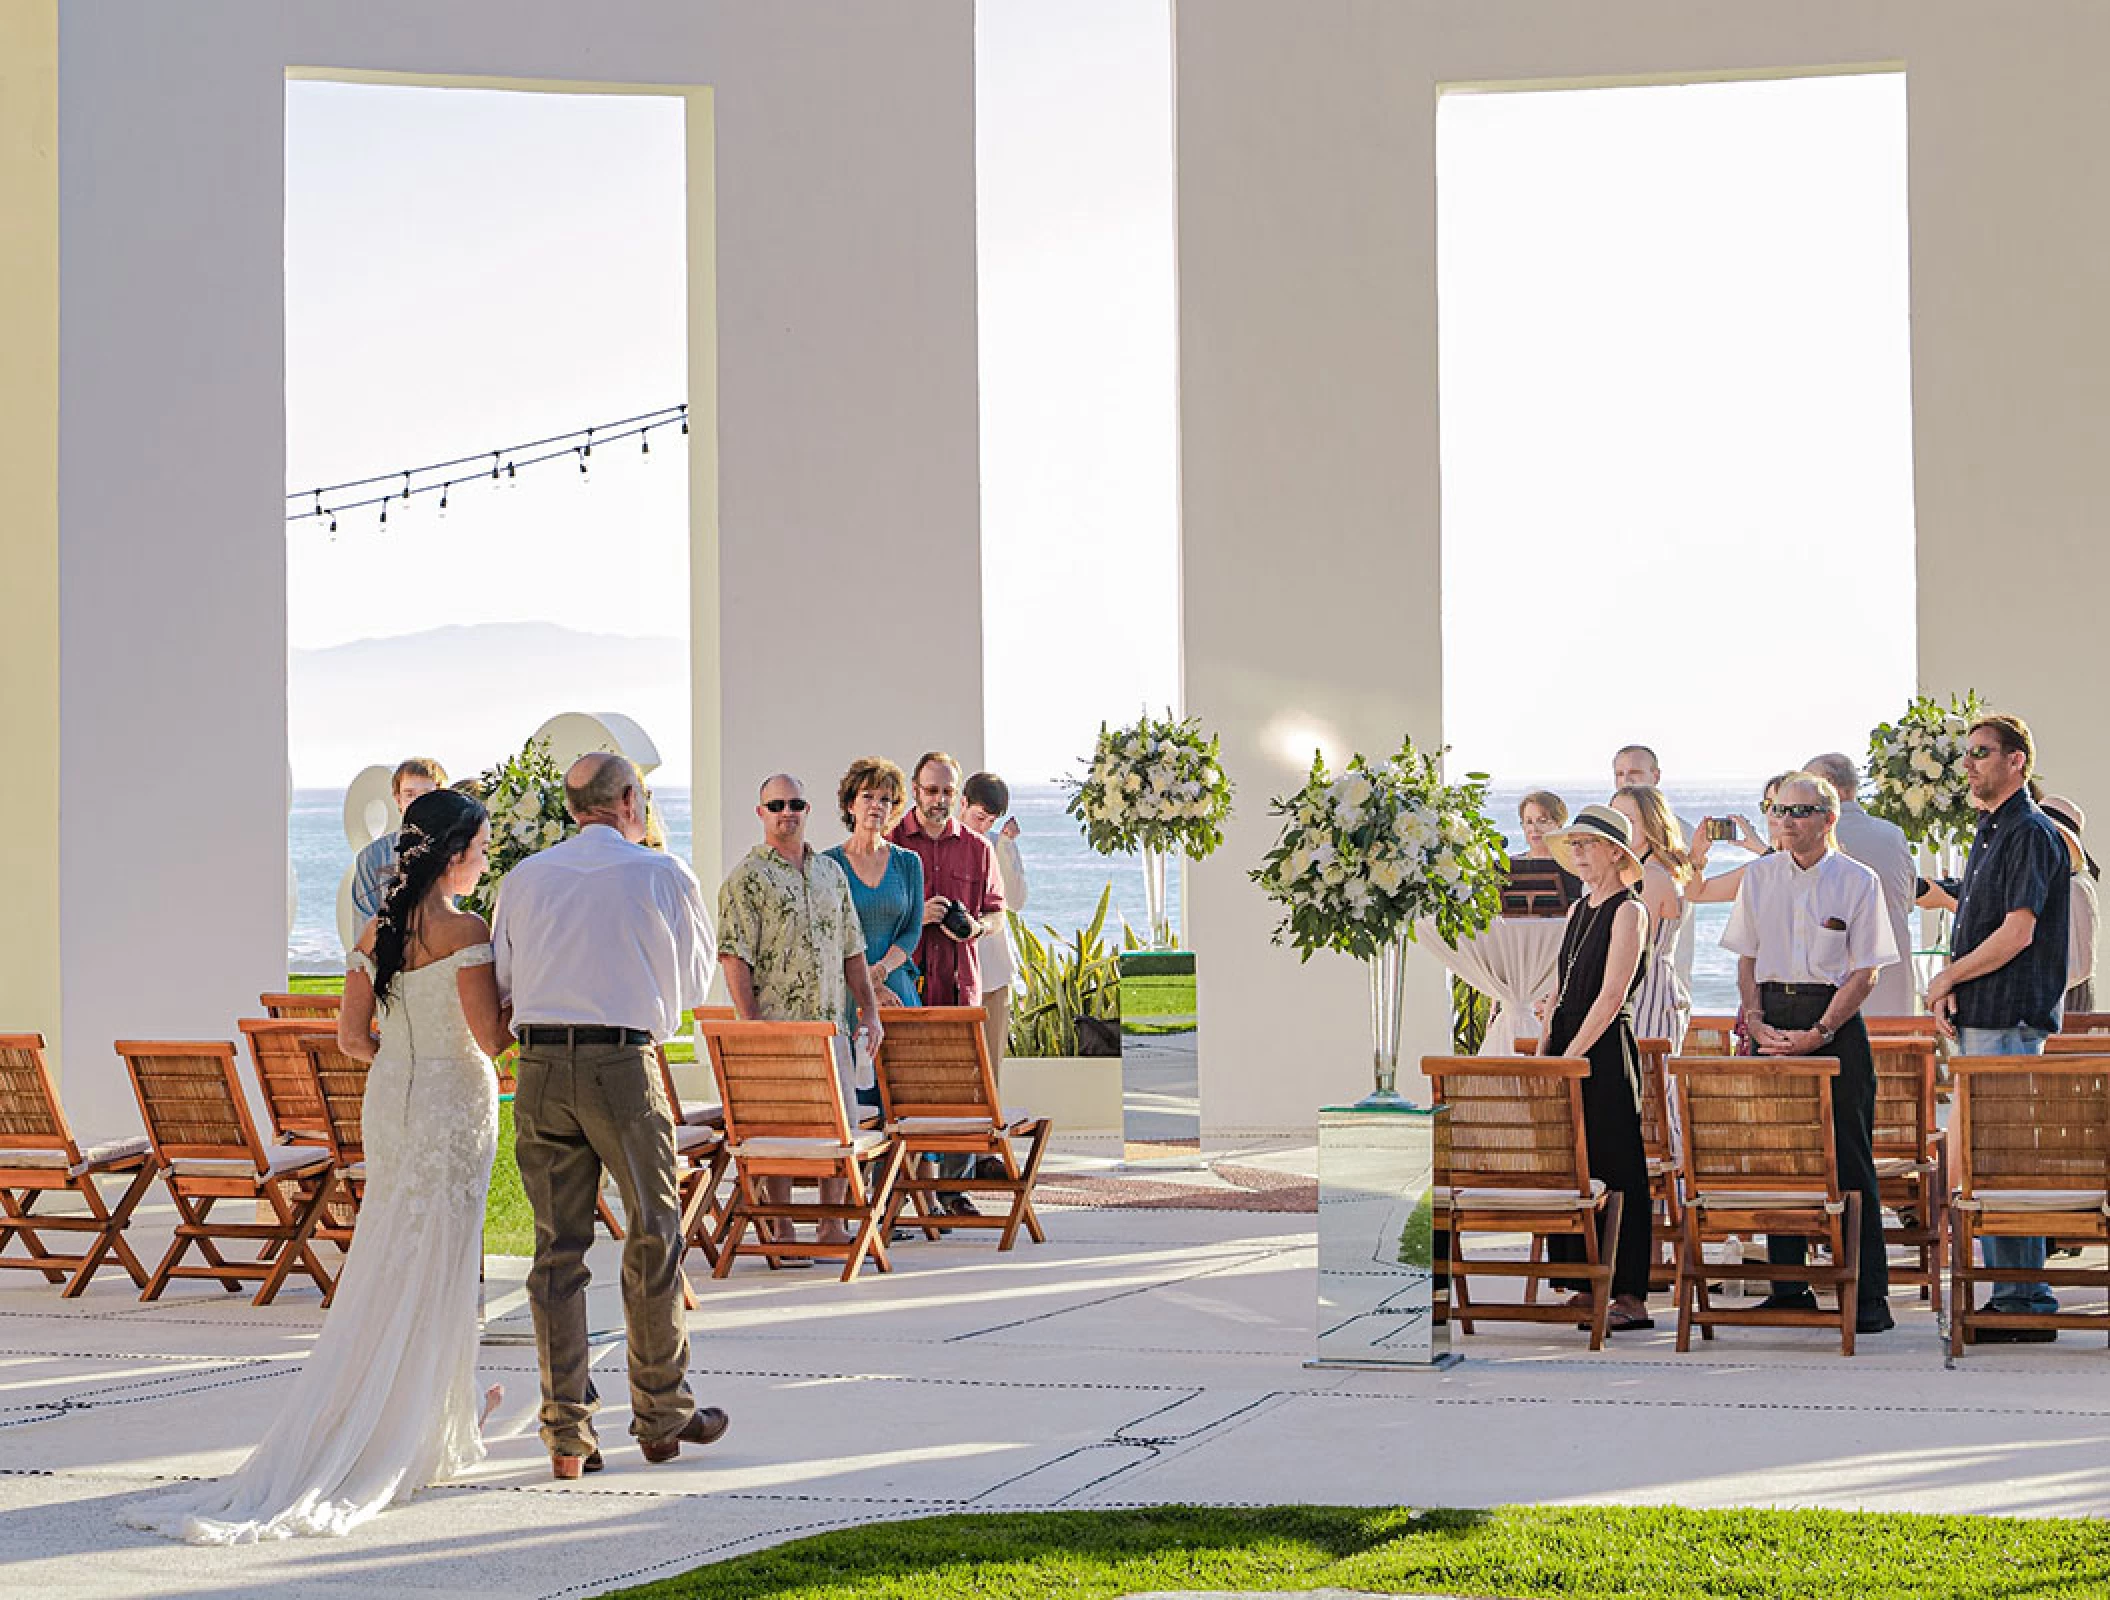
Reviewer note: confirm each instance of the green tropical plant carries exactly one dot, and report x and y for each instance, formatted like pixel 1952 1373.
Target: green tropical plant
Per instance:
pixel 1059 981
pixel 1471 1012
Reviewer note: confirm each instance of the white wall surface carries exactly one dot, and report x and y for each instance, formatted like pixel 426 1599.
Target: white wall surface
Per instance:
pixel 1309 407
pixel 841 209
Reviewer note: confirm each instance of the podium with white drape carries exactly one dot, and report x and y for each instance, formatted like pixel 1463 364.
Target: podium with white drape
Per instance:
pixel 1512 962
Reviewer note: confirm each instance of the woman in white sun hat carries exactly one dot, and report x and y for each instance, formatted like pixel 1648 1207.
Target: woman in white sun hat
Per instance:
pixel 1590 1013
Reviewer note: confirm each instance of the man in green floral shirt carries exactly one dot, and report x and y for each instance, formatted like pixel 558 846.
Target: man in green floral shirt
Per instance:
pixel 788 932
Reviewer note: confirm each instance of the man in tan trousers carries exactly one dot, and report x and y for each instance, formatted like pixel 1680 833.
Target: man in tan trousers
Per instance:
pixel 602 944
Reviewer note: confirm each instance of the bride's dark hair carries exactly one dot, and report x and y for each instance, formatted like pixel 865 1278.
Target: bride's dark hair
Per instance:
pixel 437 828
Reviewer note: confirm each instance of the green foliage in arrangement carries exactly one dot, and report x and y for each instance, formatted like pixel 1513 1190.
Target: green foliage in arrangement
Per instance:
pixel 1158 784
pixel 1471 1012
pixel 525 795
pixel 1916 772
pixel 1574 1553
pixel 1362 857
pixel 1058 982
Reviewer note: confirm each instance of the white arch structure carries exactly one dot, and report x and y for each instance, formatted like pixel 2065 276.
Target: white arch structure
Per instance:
pixel 832 365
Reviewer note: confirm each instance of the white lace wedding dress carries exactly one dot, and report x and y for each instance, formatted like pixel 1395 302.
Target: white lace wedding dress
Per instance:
pixel 386 1402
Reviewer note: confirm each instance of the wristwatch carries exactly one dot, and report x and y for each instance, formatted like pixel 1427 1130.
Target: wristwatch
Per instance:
pixel 1824 1035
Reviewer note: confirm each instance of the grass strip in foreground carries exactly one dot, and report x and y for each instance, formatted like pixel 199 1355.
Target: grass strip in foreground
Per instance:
pixel 1574 1553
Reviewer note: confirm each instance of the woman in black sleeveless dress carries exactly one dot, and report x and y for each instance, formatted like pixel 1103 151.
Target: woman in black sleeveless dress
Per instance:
pixel 1603 954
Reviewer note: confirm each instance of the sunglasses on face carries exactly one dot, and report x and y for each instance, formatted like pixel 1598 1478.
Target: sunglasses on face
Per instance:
pixel 1982 752
pixel 793 806
pixel 1798 810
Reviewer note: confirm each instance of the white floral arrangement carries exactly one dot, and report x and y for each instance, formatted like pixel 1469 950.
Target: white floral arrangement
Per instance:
pixel 1916 768
pixel 1157 785
pixel 1365 856
pixel 525 795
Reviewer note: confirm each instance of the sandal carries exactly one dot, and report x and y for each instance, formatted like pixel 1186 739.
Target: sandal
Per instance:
pixel 1620 1320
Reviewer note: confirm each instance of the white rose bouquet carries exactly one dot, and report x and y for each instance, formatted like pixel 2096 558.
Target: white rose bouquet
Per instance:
pixel 1916 767
pixel 1364 856
pixel 1158 785
pixel 525 795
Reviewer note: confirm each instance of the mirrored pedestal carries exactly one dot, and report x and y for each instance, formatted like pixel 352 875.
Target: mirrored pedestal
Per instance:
pixel 1383 1302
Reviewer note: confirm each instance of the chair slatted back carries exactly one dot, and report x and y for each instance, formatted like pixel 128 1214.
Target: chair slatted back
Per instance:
pixel 1759 1125
pixel 2076 1044
pixel 1898 1027
pixel 1655 1097
pixel 934 1062
pixel 1904 1113
pixel 190 1098
pixel 1514 1122
pixel 339 1083
pixel 776 1079
pixel 300 1005
pixel 282 1072
pixel 2085 1022
pixel 31 1117
pixel 1710 1036
pixel 2031 1122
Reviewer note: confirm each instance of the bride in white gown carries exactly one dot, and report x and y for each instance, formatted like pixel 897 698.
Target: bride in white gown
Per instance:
pixel 386 1402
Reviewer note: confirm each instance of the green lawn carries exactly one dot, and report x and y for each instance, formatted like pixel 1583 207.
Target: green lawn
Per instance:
pixel 1575 1554
pixel 1156 995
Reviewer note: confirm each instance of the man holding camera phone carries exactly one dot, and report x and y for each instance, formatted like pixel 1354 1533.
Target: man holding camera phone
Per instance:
pixel 965 900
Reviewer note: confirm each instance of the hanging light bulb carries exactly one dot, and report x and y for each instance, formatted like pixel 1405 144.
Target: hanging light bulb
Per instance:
pixel 644 441
pixel 582 461
pixel 494 466
pixel 589 444
pixel 384 511
pixel 684 420
pixel 512 480
pixel 443 497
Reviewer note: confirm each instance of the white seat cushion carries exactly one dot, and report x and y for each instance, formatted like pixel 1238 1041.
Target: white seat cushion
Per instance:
pixel 807 1149
pixel 958 1124
pixel 1527 1199
pixel 691 1140
pixel 1769 1200
pixel 92 1156
pixel 2035 1200
pixel 1900 1166
pixel 356 1172
pixel 286 1161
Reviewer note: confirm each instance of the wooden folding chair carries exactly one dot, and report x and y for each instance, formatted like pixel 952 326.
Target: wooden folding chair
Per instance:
pixel 39 1157
pixel 1710 1036
pixel 784 1118
pixel 2030 1147
pixel 1759 1159
pixel 700 1161
pixel 1512 1159
pixel 1912 1169
pixel 2085 1022
pixel 338 1082
pixel 325 1006
pixel 290 1096
pixel 2076 1044
pixel 1898 1027
pixel 937 1091
pixel 207 1149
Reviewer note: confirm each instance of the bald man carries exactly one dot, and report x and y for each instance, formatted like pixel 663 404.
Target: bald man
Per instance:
pixel 602 944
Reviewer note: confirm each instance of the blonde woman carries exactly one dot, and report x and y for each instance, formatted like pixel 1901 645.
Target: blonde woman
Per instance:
pixel 1663 1004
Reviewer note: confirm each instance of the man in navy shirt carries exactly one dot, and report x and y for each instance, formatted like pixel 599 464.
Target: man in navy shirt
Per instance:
pixel 2000 994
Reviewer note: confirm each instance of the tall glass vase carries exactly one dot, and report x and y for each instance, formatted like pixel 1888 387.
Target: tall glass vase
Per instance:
pixel 1388 1005
pixel 1155 911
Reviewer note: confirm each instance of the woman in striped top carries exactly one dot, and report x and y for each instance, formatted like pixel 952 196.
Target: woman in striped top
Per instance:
pixel 1662 1005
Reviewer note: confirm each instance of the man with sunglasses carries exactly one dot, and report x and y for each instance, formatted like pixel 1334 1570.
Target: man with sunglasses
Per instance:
pixel 789 938
pixel 2001 993
pixel 1810 933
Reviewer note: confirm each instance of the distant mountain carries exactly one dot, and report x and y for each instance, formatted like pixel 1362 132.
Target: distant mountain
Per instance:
pixel 469 694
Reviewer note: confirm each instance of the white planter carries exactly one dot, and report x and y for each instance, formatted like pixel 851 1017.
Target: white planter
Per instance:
pixel 1080 1094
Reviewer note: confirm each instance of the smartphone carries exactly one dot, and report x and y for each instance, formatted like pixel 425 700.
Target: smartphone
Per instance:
pixel 1721 827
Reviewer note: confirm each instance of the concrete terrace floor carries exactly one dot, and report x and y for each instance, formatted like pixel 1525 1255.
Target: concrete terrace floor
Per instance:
pixel 1139 1357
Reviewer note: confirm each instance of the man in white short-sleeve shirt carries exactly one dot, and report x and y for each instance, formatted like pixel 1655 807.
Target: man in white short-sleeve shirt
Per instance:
pixel 1810 932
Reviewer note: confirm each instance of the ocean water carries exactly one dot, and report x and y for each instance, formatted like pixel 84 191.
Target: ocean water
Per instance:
pixel 1064 877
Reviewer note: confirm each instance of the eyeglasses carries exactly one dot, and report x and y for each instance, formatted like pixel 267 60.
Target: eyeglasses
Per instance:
pixel 793 806
pixel 1797 810
pixel 1983 752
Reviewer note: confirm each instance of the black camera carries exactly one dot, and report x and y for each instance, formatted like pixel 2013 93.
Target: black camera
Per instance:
pixel 959 921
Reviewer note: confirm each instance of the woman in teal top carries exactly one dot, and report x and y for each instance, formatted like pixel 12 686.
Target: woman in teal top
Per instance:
pixel 886 881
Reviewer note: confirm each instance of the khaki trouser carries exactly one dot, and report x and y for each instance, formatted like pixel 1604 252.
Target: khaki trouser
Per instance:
pixel 578 1109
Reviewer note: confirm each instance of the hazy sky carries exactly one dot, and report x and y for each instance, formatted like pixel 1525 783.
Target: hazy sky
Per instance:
pixel 1676 425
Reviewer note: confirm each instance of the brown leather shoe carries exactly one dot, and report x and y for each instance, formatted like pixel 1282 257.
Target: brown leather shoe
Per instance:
pixel 572 1466
pixel 707 1425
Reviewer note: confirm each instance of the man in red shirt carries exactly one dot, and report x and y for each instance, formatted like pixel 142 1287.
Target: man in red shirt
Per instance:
pixel 959 871
pixel 959 867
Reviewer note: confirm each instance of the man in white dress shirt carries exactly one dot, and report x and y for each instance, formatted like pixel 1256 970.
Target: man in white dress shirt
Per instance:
pixel 601 945
pixel 1883 849
pixel 1810 933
